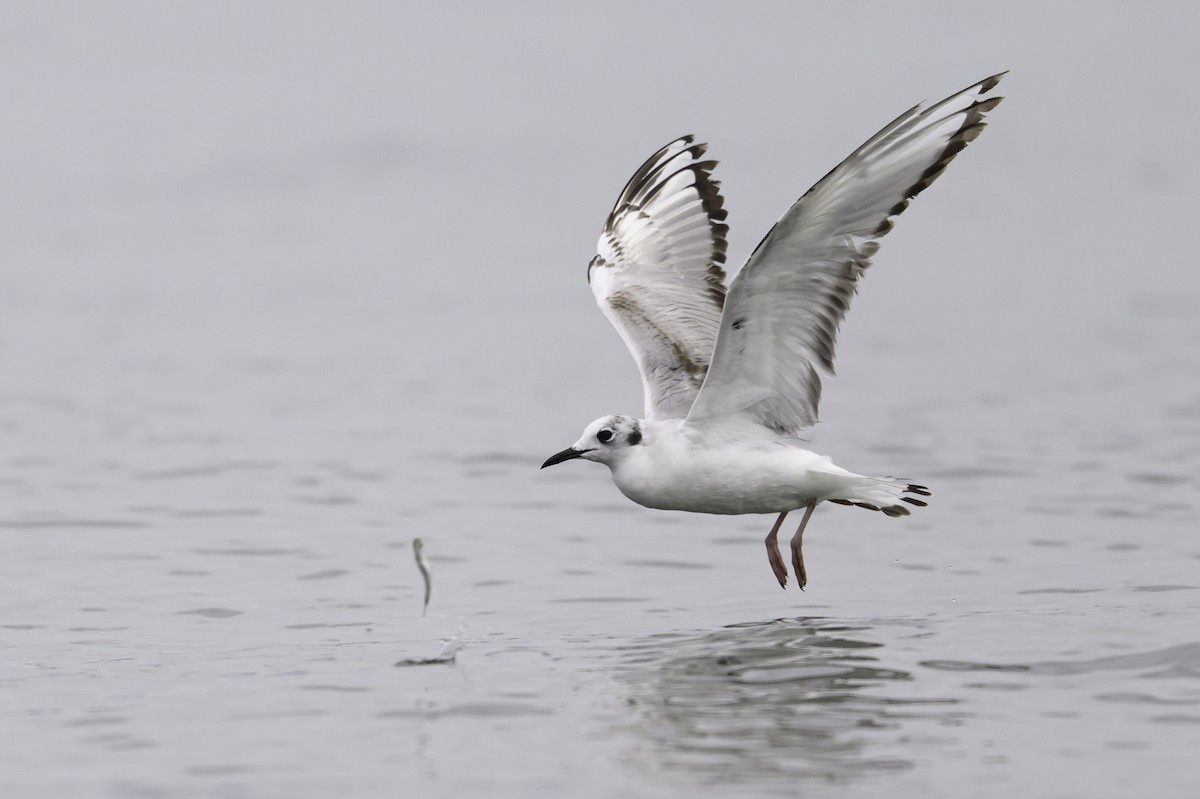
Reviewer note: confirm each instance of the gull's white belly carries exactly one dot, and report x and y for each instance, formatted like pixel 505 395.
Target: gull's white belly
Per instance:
pixel 730 480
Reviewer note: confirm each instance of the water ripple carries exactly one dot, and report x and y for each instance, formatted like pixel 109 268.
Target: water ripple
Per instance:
pixel 1182 660
pixel 476 710
pixel 69 524
pixel 212 613
pixel 790 699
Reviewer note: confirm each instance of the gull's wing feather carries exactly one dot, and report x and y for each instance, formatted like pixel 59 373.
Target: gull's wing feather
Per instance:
pixel 657 274
pixel 782 314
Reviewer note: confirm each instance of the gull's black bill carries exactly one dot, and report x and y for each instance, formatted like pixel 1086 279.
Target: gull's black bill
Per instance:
pixel 570 453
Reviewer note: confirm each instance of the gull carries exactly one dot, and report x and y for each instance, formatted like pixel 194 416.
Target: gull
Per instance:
pixel 731 377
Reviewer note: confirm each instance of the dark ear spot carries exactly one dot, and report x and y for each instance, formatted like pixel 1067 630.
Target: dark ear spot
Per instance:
pixel 635 437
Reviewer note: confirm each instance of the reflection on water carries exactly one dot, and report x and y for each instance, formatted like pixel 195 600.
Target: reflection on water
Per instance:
pixel 789 698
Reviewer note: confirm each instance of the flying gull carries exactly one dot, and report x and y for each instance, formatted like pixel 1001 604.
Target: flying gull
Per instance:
pixel 732 376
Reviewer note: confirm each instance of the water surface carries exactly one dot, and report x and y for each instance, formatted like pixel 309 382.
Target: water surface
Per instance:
pixel 283 289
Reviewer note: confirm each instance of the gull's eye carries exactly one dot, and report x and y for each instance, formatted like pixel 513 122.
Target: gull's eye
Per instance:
pixel 604 436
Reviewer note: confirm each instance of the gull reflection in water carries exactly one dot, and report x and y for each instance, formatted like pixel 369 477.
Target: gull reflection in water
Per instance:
pixel 789 698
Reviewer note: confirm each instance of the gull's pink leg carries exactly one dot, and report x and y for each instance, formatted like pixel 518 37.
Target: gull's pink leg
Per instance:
pixel 797 542
pixel 773 551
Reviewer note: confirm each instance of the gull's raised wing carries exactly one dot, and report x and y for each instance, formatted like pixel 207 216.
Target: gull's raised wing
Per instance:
pixel 657 274
pixel 783 310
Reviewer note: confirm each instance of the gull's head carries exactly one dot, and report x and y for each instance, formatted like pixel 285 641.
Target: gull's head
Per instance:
pixel 605 440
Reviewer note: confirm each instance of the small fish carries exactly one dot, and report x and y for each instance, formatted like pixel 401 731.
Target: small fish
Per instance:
pixel 423 565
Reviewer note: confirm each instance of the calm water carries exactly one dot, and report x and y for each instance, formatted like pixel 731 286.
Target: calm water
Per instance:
pixel 281 291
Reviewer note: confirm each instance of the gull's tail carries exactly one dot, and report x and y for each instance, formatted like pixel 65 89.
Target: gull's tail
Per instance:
pixel 884 494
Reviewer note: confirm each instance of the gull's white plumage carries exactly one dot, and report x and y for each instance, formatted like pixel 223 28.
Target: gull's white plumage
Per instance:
pixel 730 380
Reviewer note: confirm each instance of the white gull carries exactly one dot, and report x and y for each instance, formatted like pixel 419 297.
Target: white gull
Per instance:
pixel 731 377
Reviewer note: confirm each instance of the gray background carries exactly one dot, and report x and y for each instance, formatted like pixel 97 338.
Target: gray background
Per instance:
pixel 285 285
